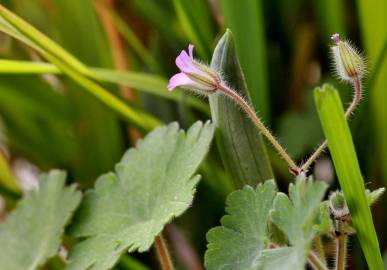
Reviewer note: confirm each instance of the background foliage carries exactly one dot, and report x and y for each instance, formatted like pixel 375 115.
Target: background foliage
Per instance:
pixel 50 121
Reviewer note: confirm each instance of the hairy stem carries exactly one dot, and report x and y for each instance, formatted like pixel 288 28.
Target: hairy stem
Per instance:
pixel 259 124
pixel 351 108
pixel 163 253
pixel 316 262
pixel 341 248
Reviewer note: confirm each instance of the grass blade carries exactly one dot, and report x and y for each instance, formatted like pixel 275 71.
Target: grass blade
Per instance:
pixel 147 83
pixel 373 20
pixel 72 67
pixel 245 20
pixel 336 130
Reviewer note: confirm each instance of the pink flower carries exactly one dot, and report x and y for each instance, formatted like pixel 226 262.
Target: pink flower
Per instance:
pixel 194 75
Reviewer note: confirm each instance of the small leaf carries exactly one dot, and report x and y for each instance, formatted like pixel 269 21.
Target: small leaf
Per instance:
pixel 152 184
pixel 32 233
pixel 239 141
pixel 324 225
pixel 373 196
pixel 295 216
pixel 244 231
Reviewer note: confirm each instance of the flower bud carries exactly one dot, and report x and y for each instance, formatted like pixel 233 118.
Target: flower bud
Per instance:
pixel 348 62
pixel 194 75
pixel 338 206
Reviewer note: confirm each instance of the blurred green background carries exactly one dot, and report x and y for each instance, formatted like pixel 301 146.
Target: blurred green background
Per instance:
pixel 49 121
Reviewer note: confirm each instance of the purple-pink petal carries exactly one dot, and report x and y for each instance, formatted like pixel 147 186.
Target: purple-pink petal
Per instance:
pixel 180 80
pixel 185 64
pixel 190 50
pixel 336 38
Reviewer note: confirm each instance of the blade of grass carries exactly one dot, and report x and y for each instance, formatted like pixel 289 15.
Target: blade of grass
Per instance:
pixel 246 21
pixel 147 83
pixel 73 68
pixel 373 23
pixel 336 130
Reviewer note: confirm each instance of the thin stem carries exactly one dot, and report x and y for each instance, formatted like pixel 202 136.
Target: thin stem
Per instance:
pixel 258 123
pixel 163 253
pixel 341 248
pixel 351 108
pixel 316 262
pixel 320 249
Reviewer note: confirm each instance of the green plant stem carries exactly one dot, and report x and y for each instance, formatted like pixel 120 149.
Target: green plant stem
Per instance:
pixel 163 253
pixel 320 249
pixel 315 262
pixel 351 108
pixel 259 124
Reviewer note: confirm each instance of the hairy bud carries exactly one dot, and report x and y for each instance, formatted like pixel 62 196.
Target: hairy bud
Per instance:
pixel 338 206
pixel 349 63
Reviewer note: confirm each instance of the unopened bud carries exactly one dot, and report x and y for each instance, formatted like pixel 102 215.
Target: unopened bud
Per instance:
pixel 349 63
pixel 338 206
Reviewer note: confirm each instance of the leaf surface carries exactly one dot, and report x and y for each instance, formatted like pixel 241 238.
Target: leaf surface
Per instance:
pixel 153 183
pixel 244 231
pixel 32 233
pixel 295 216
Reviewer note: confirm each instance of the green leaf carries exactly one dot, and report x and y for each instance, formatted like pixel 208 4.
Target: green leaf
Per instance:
pixel 239 141
pixel 373 196
pixel 343 153
pixel 244 231
pixel 32 233
pixel 245 19
pixel 152 184
pixel 324 225
pixel 295 216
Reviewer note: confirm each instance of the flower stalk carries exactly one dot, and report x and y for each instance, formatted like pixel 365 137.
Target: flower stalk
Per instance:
pixel 349 67
pixel 204 80
pixel 259 124
pixel 163 253
pixel 341 248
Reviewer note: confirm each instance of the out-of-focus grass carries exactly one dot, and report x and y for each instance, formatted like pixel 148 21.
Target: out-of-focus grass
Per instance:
pixel 373 21
pixel 245 19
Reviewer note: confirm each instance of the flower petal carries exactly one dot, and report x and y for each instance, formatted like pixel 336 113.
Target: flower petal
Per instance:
pixel 185 64
pixel 190 50
pixel 181 80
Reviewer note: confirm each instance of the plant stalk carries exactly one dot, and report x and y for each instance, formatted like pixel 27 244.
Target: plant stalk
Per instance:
pixel 163 253
pixel 320 249
pixel 351 108
pixel 341 248
pixel 316 262
pixel 259 124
